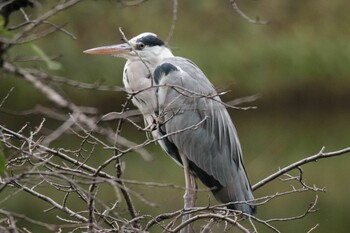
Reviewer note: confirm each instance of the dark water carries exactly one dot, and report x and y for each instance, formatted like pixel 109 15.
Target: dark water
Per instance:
pixel 271 139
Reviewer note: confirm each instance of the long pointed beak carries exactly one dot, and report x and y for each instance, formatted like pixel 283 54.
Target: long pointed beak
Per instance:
pixel 116 50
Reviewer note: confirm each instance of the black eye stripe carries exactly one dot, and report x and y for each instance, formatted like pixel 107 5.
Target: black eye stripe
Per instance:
pixel 150 40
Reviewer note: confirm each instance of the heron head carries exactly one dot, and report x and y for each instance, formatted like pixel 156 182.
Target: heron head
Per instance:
pixel 146 46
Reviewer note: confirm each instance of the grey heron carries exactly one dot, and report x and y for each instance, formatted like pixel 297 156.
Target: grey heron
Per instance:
pixel 183 110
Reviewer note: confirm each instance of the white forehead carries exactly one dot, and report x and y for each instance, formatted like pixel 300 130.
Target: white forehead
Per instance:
pixel 144 34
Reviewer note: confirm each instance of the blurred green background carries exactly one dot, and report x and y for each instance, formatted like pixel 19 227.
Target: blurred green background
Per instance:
pixel 299 64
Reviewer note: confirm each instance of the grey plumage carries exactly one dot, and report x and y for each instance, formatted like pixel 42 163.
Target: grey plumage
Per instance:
pixel 213 149
pixel 181 105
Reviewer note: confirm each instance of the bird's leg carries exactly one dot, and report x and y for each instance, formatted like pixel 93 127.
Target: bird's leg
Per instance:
pixel 192 190
pixel 190 193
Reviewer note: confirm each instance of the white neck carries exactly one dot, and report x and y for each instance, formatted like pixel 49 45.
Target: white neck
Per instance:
pixel 152 56
pixel 138 72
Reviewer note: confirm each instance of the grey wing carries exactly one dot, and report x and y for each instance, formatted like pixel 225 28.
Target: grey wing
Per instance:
pixel 200 127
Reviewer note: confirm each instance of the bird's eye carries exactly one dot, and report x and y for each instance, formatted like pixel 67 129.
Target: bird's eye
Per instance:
pixel 140 46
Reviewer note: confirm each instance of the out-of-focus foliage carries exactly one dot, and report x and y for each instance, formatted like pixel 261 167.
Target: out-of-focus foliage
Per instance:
pixel 303 51
pixel 304 43
pixel 299 63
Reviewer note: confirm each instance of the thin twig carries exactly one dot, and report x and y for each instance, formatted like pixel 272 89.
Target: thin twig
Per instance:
pixel 62 102
pixel 173 22
pixel 53 203
pixel 313 228
pixel 133 49
pixel 244 16
pixel 118 167
pixel 313 158
pixel 210 216
pixel 6 96
pixel 58 8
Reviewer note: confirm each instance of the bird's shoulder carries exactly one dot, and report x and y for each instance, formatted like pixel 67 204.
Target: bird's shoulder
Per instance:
pixel 183 72
pixel 178 61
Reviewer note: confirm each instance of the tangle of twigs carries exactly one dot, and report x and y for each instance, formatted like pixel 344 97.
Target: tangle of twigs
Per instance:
pixel 73 187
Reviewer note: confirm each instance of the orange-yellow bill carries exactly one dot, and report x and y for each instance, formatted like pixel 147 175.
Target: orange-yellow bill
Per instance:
pixel 110 49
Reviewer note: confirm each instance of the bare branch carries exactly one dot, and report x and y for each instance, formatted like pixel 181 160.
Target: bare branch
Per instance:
pixel 173 22
pixel 244 16
pixel 62 102
pixel 69 174
pixel 19 36
pixel 6 97
pixel 53 203
pixel 313 228
pixel 313 158
pixel 210 216
pixel 133 49
pixel 48 226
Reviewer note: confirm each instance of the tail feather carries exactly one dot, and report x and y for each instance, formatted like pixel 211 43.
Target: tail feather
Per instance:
pixel 239 191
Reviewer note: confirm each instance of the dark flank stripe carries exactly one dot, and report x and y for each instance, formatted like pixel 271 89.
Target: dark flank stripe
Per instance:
pixel 126 75
pixel 170 147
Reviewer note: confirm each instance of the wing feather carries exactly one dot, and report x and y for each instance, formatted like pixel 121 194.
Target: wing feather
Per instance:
pixel 186 98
